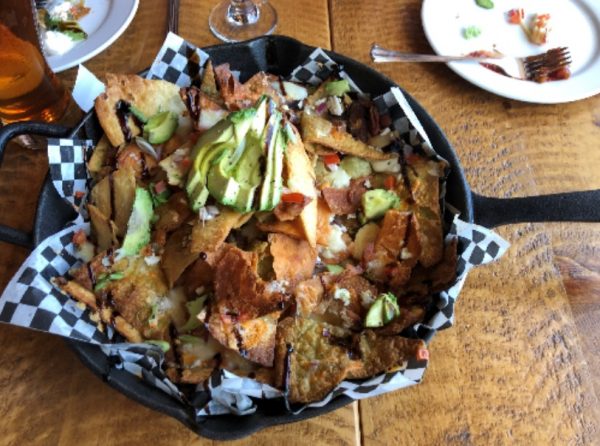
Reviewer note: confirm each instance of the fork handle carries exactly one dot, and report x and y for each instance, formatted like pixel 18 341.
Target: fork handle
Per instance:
pixel 379 54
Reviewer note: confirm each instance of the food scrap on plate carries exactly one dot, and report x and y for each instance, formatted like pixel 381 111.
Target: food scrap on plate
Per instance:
pixel 276 230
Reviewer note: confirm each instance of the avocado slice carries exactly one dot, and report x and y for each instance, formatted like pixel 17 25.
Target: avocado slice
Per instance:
pixel 337 88
pixel 226 135
pixel 270 192
pixel 160 127
pixel 138 226
pixel 376 202
pixel 233 180
pixel 382 311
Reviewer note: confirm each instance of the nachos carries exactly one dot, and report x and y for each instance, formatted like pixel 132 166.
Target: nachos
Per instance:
pixel 273 229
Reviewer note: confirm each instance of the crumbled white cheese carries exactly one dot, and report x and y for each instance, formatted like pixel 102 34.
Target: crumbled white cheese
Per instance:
pixel 335 242
pixel 405 254
pixel 106 261
pixel 391 165
pixel 334 105
pixel 60 10
pixel 339 178
pixel 342 294
pixel 208 213
pixel 367 183
pixel 351 216
pixel 366 298
pixel 332 167
pixel 277 286
pixel 151 260
pixel 86 251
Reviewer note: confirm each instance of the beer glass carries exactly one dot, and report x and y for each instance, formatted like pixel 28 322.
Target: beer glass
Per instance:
pixel 28 88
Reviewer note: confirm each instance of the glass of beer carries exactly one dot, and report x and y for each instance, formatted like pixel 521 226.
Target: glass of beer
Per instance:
pixel 28 88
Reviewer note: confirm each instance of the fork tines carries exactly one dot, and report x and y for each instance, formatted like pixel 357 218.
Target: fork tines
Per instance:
pixel 538 67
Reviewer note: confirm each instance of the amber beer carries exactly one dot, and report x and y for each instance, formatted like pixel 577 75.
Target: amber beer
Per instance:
pixel 28 88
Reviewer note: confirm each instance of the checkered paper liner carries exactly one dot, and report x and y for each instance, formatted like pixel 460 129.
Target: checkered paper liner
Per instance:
pixel 31 300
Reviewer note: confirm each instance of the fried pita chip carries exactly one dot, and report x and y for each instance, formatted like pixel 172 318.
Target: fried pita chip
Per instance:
pixel 308 362
pixel 178 255
pixel 391 236
pixel 253 339
pixel 309 294
pixel 208 235
pixel 124 185
pixel 293 259
pixel 301 178
pixel 148 96
pixel 292 228
pixel 320 131
pixel 99 157
pixel 209 84
pixel 103 227
pixel 101 196
pixel 382 353
pixel 323 225
pixel 234 94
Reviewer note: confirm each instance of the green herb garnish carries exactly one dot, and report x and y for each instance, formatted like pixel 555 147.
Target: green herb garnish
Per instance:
pixel 486 4
pixel 470 32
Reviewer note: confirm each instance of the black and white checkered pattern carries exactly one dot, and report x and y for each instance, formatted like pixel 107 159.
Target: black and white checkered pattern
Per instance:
pixel 68 169
pixel 317 68
pixel 178 62
pixel 30 299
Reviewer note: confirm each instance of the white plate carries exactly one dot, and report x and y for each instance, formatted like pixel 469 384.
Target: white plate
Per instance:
pixel 107 20
pixel 575 24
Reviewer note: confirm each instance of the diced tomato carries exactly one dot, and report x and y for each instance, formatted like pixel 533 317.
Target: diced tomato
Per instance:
pixel 412 158
pixel 79 238
pixel 185 163
pixel 292 197
pixel 79 194
pixel 422 354
pixel 516 16
pixel 390 182
pixel 160 187
pixel 331 159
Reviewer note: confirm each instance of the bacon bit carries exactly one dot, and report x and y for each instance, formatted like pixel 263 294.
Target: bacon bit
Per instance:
pixel 390 182
pixel 369 252
pixel 412 158
pixel 293 197
pixel 516 16
pixel 79 238
pixel 160 187
pixel 422 354
pixel 332 159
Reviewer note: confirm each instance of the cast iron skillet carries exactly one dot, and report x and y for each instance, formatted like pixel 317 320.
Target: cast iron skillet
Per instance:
pixel 279 55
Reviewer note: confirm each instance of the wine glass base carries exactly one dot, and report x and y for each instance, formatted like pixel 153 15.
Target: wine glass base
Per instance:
pixel 229 30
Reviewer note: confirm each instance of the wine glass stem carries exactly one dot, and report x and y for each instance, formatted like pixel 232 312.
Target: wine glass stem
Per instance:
pixel 242 12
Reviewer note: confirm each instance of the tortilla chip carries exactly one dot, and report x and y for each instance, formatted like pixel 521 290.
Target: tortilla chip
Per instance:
pixel 409 316
pixel 101 196
pixel 391 236
pixel 99 157
pixel 239 291
pixel 103 227
pixel 148 96
pixel 292 228
pixel 308 365
pixel 320 131
pixel 209 84
pixel 253 339
pixel 323 225
pixel 382 353
pixel 124 185
pixel 207 236
pixel 292 259
pixel 178 255
pixel 301 178
pixel 309 294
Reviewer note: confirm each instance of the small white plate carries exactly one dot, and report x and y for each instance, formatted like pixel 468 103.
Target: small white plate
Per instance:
pixel 574 23
pixel 107 20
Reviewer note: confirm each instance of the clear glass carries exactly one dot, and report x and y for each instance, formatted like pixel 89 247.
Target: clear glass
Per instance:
pixel 237 20
pixel 28 88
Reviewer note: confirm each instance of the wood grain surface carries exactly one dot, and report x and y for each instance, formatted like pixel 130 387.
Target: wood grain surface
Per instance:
pixel 521 364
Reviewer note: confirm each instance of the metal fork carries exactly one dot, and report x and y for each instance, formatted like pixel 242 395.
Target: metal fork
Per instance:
pixel 530 68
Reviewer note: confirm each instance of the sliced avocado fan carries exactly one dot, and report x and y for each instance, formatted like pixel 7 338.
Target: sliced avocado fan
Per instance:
pixel 138 226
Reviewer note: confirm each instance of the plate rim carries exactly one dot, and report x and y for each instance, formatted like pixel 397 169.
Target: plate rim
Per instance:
pixel 63 62
pixel 545 93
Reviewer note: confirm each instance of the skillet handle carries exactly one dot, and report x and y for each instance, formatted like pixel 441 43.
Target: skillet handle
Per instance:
pixel 583 206
pixel 8 234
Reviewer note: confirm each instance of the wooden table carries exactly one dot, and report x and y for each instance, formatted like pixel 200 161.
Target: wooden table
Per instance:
pixel 520 366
